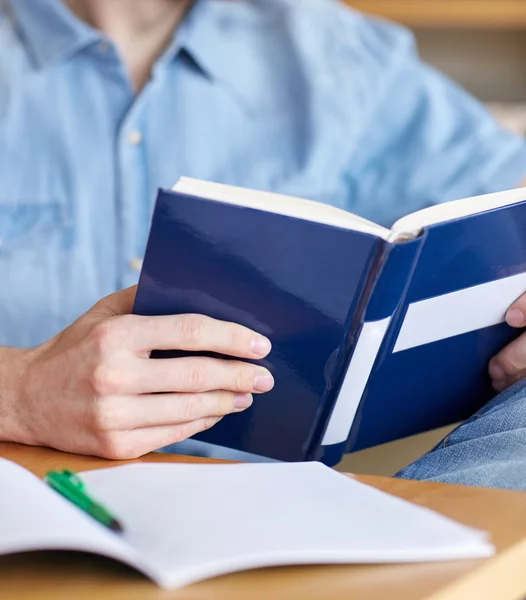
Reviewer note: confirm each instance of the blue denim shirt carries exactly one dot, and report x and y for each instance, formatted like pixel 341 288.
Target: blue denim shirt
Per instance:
pixel 299 97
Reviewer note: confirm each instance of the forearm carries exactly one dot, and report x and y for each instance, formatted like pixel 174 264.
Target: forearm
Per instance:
pixel 12 361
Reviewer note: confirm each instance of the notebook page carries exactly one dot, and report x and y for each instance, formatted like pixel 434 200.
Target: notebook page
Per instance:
pixel 35 517
pixel 198 521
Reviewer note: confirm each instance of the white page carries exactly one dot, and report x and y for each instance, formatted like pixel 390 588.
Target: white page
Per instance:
pixel 465 207
pixel 198 521
pixel 35 517
pixel 290 206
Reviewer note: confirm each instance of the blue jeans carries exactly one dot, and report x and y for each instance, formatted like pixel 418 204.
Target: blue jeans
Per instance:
pixel 489 449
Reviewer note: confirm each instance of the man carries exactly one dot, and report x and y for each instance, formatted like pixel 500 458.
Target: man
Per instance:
pixel 103 101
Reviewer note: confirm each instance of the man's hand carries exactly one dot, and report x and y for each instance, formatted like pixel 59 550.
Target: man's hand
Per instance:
pixel 509 365
pixel 94 390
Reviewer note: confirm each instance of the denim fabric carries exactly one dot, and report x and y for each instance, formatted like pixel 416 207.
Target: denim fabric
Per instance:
pixel 489 449
pixel 300 97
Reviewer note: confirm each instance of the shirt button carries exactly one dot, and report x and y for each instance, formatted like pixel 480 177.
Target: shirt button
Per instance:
pixel 135 264
pixel 134 137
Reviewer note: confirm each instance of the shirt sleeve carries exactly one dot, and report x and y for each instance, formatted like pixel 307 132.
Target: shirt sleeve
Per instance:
pixel 427 141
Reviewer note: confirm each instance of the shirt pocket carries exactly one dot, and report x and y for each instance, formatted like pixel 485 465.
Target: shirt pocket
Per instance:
pixel 29 223
pixel 36 259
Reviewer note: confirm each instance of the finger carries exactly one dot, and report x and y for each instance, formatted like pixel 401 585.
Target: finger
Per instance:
pixel 509 364
pixel 504 384
pixel 196 374
pixel 195 333
pixel 137 442
pixel 134 412
pixel 516 315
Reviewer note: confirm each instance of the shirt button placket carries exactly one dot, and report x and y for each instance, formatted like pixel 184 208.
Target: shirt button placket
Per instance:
pixel 133 183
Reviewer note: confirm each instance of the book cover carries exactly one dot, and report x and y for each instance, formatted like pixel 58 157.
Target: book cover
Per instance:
pixel 375 336
pixel 433 371
pixel 301 283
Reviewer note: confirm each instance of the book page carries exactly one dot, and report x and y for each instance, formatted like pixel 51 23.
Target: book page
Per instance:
pixel 279 204
pixel 199 521
pixel 457 209
pixel 35 517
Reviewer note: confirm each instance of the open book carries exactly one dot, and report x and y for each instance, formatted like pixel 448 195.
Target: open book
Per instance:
pixel 377 333
pixel 183 523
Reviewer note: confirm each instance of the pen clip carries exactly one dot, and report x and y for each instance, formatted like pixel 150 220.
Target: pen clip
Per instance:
pixel 75 481
pixel 66 480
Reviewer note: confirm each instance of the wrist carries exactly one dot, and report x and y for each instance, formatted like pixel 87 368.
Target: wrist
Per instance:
pixel 13 366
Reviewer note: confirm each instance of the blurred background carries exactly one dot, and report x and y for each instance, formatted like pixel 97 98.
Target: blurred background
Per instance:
pixel 481 44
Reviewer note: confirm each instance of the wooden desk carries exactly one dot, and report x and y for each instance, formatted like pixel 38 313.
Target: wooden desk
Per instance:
pixel 471 14
pixel 71 576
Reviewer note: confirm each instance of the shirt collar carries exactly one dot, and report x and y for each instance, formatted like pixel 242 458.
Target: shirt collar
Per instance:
pixel 50 30
pixel 226 40
pixel 229 40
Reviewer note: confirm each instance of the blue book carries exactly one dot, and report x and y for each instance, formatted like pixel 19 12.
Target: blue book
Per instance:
pixel 377 334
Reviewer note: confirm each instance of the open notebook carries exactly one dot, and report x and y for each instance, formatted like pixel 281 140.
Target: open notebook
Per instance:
pixel 377 333
pixel 183 523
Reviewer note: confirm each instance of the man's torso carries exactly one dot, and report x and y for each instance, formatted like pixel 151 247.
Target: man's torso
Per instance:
pixel 256 96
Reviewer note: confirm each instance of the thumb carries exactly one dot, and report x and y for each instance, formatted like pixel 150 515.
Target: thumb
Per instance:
pixel 119 303
pixel 516 315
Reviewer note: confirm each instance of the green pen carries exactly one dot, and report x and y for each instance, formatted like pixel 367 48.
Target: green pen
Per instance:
pixel 71 487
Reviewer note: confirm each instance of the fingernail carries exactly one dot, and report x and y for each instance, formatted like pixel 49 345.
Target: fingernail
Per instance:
pixel 242 401
pixel 260 345
pixel 263 382
pixel 515 317
pixel 496 372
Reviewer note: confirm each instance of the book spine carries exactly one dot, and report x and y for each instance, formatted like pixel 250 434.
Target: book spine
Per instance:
pixel 375 333
pixel 406 257
pixel 335 371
